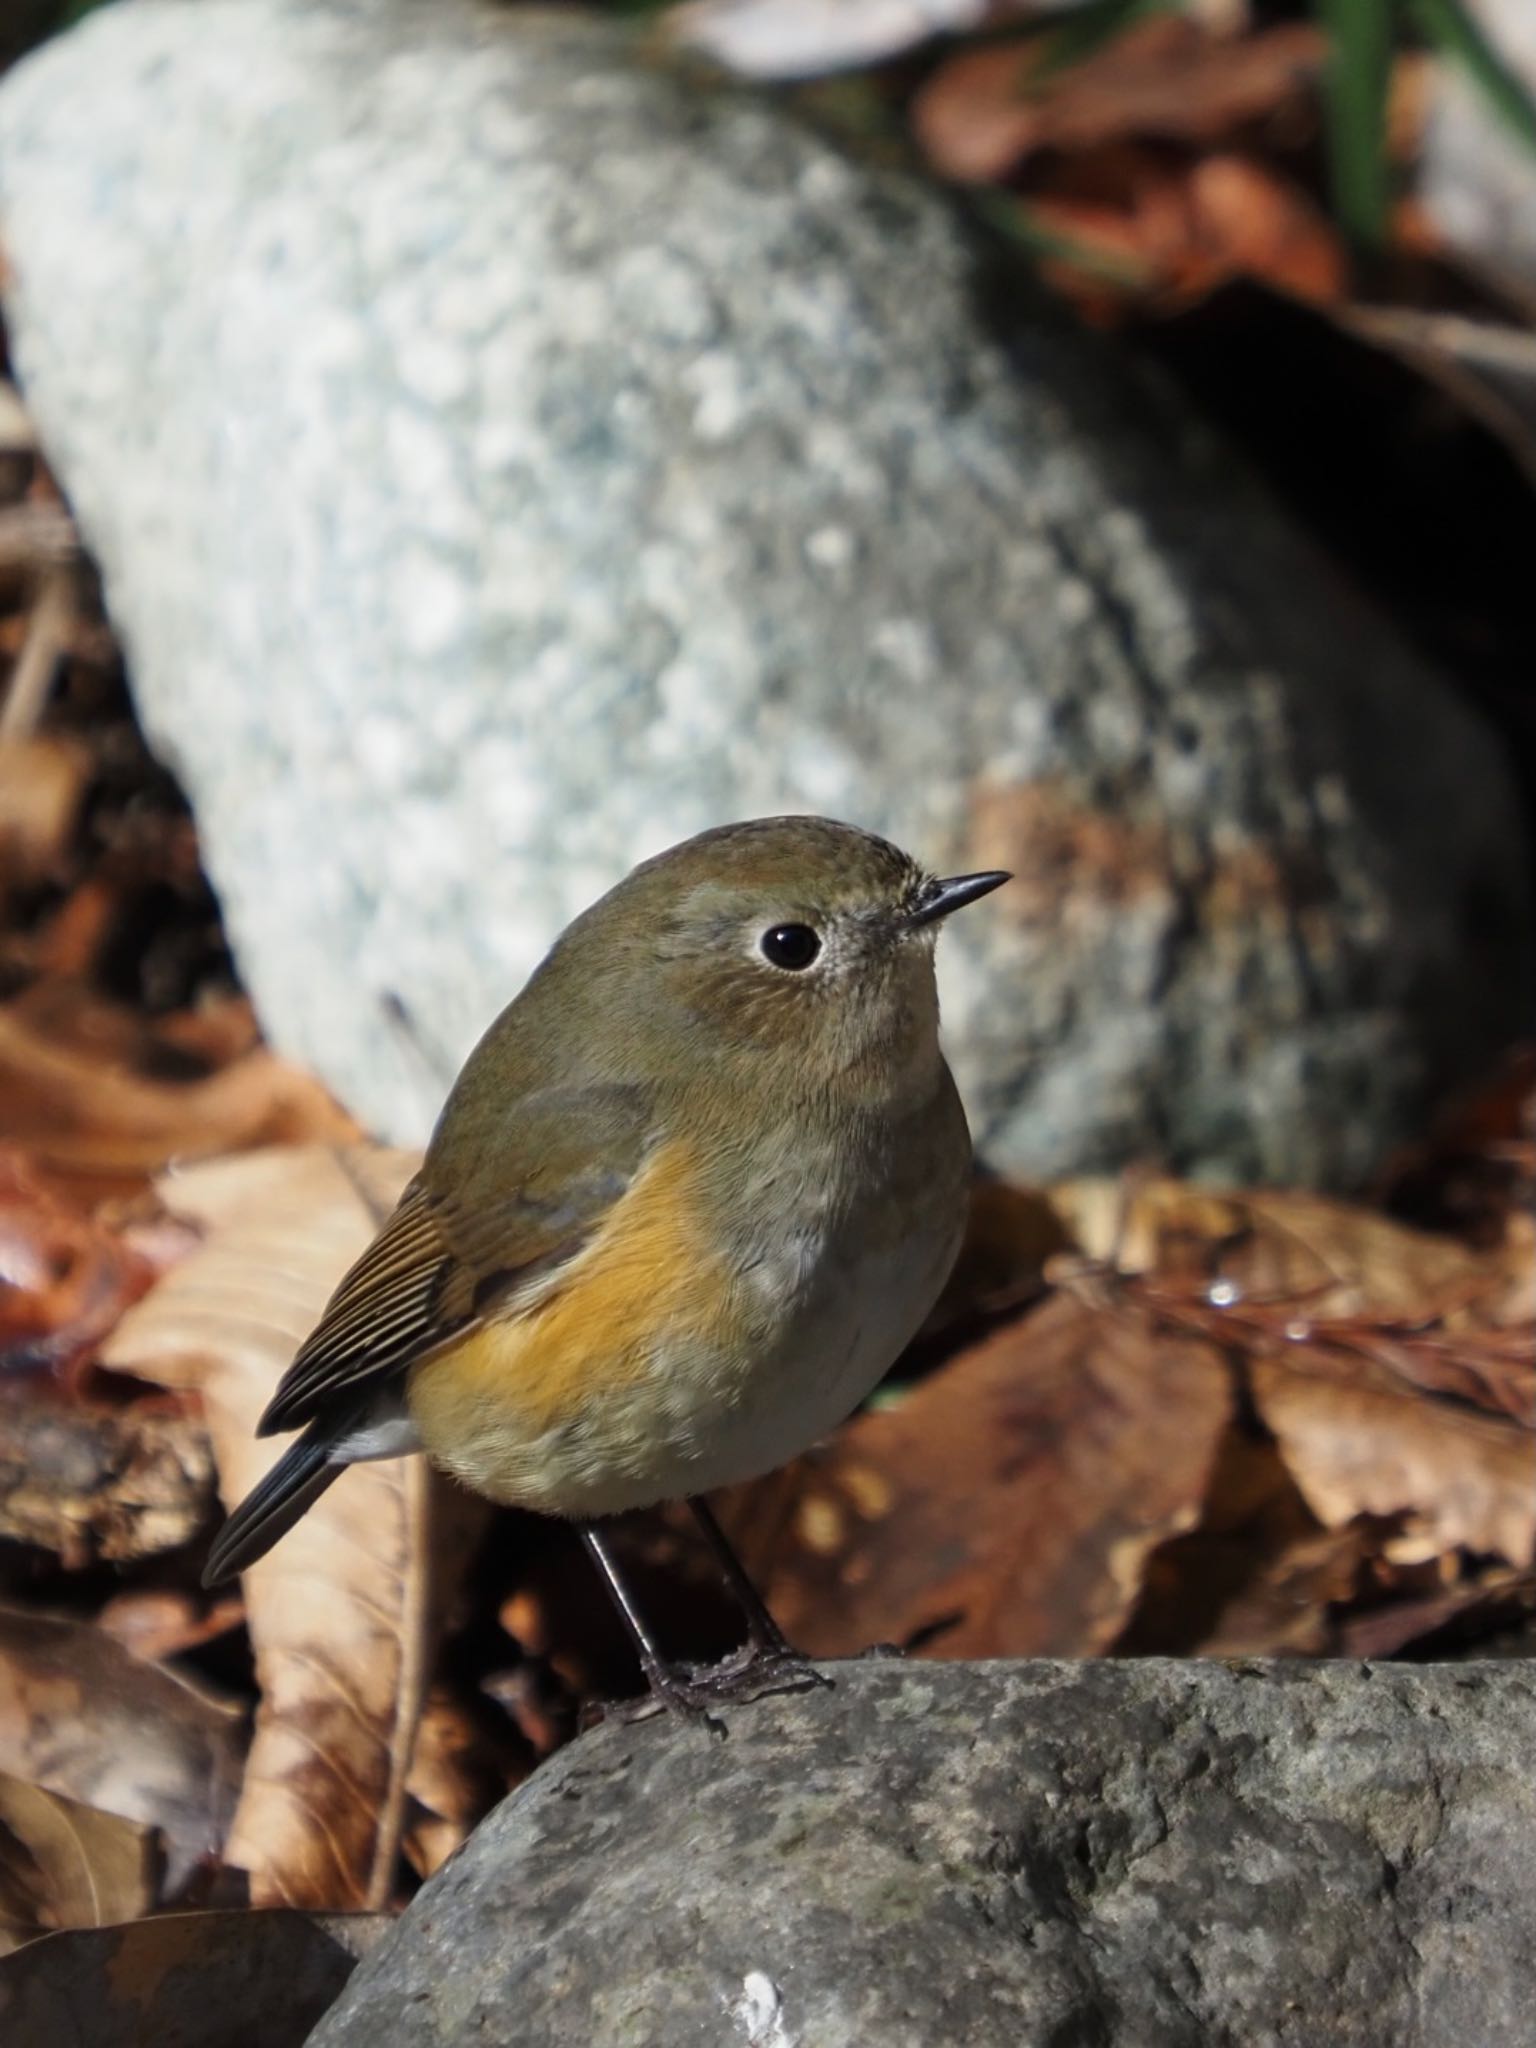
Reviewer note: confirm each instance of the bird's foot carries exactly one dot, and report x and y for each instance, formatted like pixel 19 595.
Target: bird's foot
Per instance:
pixel 693 1691
pixel 669 1692
pixel 759 1668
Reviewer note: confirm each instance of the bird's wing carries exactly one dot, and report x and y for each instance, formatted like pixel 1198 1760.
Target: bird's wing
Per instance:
pixel 471 1232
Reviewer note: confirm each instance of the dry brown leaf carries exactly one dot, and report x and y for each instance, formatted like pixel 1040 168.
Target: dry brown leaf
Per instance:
pixel 155 1622
pixel 1259 1576
pixel 1329 1258
pixel 214 1034
pixel 1129 224
pixel 988 109
pixel 1396 1370
pixel 80 1717
pixel 216 1980
pixel 1496 1601
pixel 1249 220
pixel 64 1280
pixel 67 1865
pixel 1272 1271
pixel 458 1773
pixel 1286 1607
pixel 1009 1504
pixel 80 1115
pixel 1359 1442
pixel 338 1612
pixel 67 946
pixel 42 782
pixel 101 1484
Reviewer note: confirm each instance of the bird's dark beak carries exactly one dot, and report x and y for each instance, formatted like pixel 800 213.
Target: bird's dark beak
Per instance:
pixel 940 898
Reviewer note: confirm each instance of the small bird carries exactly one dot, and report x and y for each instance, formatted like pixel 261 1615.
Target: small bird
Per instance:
pixel 692 1193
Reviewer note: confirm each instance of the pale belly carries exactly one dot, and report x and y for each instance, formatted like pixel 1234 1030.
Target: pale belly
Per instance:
pixel 828 1362
pixel 704 1410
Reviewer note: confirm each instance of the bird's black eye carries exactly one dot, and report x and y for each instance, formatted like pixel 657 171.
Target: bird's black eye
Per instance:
pixel 790 945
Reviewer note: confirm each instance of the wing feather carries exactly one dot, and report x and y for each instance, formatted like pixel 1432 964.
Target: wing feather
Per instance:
pixel 384 1313
pixel 452 1254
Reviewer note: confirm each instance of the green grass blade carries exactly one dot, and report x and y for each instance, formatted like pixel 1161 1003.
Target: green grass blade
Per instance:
pixel 1448 26
pixel 1356 80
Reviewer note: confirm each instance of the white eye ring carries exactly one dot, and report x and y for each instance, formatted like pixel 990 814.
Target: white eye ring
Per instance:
pixel 791 947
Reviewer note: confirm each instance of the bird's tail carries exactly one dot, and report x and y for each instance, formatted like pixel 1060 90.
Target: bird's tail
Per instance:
pixel 272 1507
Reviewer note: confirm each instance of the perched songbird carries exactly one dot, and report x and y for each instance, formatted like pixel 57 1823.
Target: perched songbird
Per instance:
pixel 692 1193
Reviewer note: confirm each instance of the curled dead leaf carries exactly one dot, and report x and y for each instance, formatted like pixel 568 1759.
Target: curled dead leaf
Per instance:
pixel 988 109
pixel 1395 1370
pixel 77 1114
pixel 1123 223
pixel 1300 1253
pixel 338 1612
pixel 79 1716
pixel 64 1280
pixel 1248 220
pixel 106 1484
pixel 1362 1442
pixel 67 1865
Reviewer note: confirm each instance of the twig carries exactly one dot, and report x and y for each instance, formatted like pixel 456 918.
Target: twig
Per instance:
pixel 48 634
pixel 1488 370
pixel 1484 343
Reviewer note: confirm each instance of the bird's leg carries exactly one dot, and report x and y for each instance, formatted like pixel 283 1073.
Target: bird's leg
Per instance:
pixel 652 1663
pixel 762 1629
pixel 767 1649
pixel 686 1691
pixel 667 1687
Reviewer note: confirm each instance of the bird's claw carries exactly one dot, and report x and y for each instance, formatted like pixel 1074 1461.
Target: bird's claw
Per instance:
pixel 756 1669
pixel 691 1691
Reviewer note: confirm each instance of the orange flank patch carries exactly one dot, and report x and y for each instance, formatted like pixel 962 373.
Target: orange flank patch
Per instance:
pixel 482 1402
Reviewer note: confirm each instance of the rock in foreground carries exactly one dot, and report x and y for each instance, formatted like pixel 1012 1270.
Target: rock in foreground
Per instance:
pixel 1128 1855
pixel 507 458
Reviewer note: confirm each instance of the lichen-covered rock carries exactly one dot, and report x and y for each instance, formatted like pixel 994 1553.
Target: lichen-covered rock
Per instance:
pixel 506 457
pixel 1125 1854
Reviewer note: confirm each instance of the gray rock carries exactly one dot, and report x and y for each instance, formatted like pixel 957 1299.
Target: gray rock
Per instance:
pixel 506 458
pixel 1113 1855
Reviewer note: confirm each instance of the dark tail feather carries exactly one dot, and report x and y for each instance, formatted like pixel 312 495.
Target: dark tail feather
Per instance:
pixel 271 1508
